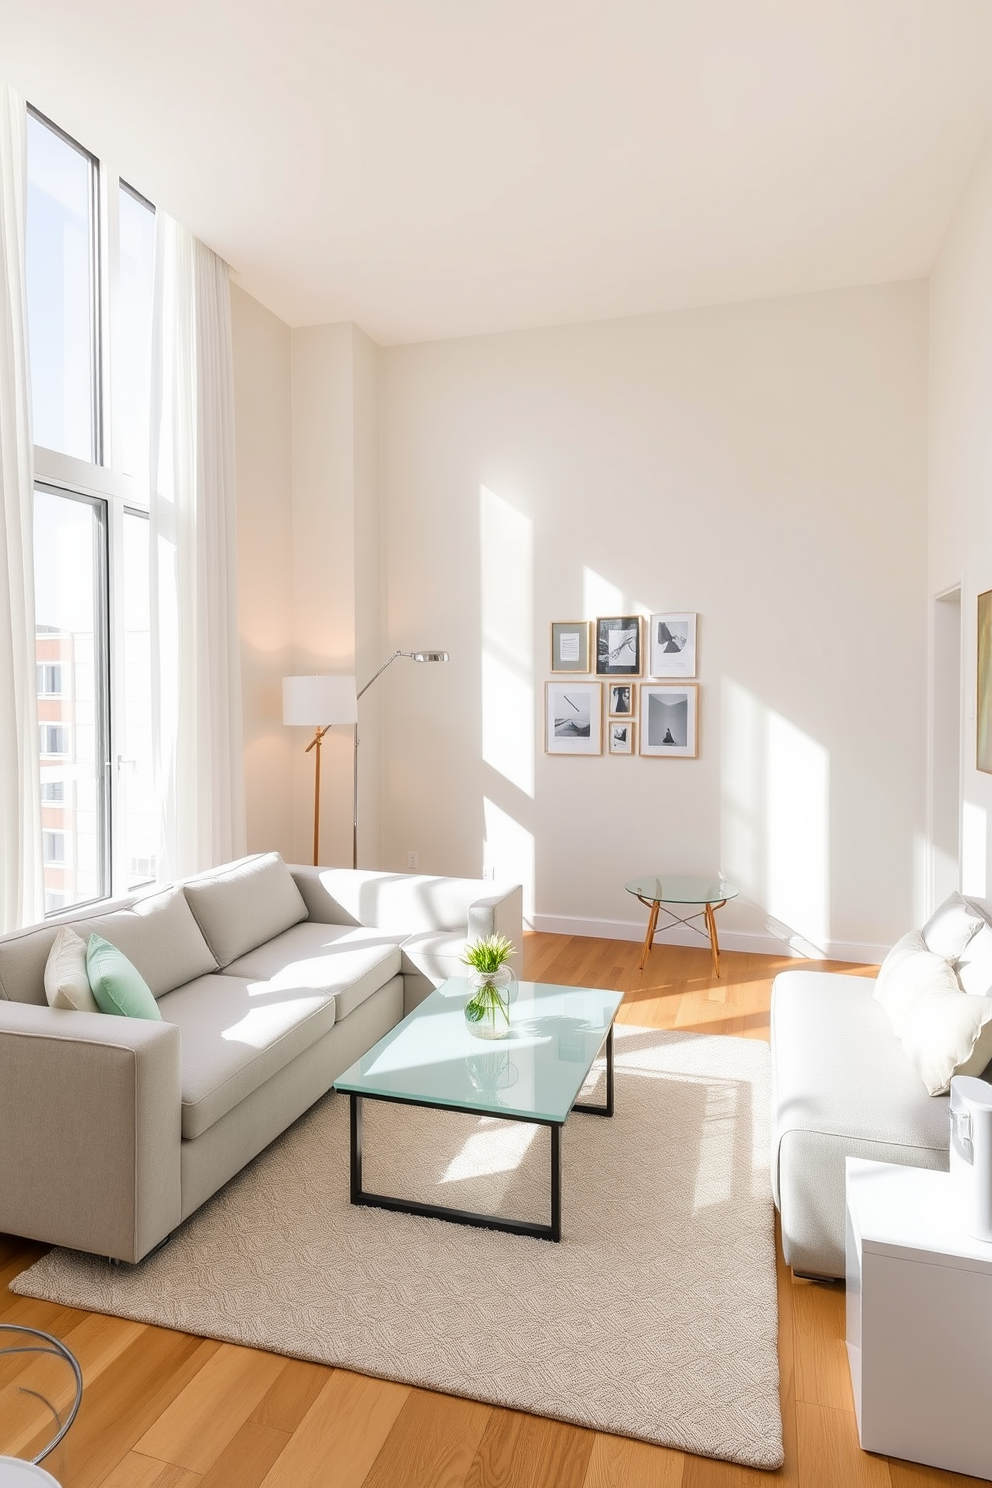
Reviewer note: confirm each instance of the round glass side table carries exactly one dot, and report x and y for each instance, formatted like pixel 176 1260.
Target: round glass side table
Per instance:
pixel 657 891
pixel 37 1416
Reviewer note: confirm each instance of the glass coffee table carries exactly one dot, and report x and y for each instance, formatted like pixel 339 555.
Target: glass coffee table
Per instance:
pixel 432 1059
pixel 675 888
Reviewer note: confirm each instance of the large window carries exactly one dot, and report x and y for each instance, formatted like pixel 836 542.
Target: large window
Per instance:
pixel 90 279
pixel 61 285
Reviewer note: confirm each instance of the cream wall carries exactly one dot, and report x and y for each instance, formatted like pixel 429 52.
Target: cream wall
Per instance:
pixel 763 464
pixel 265 537
pixel 960 524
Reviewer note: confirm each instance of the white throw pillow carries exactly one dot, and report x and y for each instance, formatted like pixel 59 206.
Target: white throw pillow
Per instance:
pixel 66 982
pixel 948 1033
pixel 974 965
pixel 951 927
pixel 909 972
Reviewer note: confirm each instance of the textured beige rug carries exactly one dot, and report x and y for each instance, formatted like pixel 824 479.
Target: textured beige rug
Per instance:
pixel 655 1317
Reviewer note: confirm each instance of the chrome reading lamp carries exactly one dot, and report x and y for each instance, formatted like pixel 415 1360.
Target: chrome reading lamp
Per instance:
pixel 320 702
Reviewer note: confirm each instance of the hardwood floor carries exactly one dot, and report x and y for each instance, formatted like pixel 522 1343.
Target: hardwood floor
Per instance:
pixel 165 1410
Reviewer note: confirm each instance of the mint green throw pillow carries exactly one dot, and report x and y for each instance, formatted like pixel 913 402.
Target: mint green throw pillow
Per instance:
pixel 117 986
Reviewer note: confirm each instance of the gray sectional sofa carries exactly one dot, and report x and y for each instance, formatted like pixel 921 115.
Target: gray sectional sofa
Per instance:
pixel 271 980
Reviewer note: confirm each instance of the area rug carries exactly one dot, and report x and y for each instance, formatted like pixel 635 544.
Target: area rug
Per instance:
pixel 655 1317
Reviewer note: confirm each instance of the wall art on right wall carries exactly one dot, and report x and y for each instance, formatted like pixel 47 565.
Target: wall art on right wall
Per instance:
pixel 672 645
pixel 983 752
pixel 668 722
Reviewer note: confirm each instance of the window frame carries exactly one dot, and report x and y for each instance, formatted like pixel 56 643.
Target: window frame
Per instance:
pixel 105 484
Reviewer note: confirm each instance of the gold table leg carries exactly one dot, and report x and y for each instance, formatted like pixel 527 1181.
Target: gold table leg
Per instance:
pixel 652 924
pixel 711 927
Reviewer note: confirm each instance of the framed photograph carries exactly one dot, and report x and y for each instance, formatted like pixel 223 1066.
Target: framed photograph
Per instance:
pixel 618 646
pixel 983 753
pixel 621 736
pixel 573 718
pixel 672 645
pixel 669 717
pixel 622 699
pixel 570 646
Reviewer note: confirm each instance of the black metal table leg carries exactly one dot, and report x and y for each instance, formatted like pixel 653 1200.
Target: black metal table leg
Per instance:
pixel 356 1148
pixel 556 1183
pixel 606 1110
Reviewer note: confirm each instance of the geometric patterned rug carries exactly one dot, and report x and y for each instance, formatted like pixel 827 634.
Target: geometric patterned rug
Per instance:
pixel 655 1317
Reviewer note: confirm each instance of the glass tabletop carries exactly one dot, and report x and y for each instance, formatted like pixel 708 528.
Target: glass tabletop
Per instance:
pixel 675 888
pixel 535 1073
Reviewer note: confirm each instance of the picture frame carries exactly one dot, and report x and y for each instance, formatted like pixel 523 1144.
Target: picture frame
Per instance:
pixel 618 646
pixel 573 718
pixel 983 731
pixel 621 699
pixel 620 735
pixel 570 643
pixel 672 644
pixel 668 721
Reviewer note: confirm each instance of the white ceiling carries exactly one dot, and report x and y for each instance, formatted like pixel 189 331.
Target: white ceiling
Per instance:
pixel 434 168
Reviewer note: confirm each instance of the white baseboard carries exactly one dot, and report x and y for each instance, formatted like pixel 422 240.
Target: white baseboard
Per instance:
pixel 766 943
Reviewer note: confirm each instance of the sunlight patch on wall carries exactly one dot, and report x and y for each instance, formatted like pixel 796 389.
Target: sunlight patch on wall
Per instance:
pixel 974 850
pixel 599 596
pixel 508 854
pixel 776 817
pixel 506 573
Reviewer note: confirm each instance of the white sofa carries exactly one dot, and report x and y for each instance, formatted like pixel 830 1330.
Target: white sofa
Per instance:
pixel 270 979
pixel 841 1087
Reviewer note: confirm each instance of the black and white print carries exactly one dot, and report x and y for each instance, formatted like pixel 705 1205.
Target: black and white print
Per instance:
pixel 574 718
pixel 621 737
pixel 668 722
pixel 672 645
pixel 618 646
pixel 621 699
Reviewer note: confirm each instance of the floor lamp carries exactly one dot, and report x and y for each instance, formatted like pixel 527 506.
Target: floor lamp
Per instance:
pixel 319 702
pixel 412 656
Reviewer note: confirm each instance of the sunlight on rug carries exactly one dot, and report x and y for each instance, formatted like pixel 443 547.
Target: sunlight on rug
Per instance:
pixel 656 1316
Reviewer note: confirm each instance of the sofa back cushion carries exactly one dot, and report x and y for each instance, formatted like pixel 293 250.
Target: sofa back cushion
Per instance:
pixel 160 937
pixel 244 904
pixel 24 953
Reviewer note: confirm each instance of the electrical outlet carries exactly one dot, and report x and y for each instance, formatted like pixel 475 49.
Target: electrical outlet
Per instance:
pixel 489 871
pixel 412 859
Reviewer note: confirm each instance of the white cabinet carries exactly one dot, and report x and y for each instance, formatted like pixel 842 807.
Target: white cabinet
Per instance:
pixel 919 1320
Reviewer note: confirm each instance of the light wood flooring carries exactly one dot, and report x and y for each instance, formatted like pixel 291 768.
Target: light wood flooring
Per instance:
pixel 166 1410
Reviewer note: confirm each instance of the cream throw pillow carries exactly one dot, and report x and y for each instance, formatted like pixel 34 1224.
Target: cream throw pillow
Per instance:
pixel 66 982
pixel 974 965
pixel 951 927
pixel 948 1033
pixel 909 972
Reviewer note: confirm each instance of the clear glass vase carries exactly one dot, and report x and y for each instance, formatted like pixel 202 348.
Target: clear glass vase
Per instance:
pixel 487 1012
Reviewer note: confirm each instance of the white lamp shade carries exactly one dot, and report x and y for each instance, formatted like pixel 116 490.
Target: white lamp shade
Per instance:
pixel 318 701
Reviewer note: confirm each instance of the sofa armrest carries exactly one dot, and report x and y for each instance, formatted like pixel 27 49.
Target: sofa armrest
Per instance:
pixel 411 903
pixel 500 913
pixel 90 1110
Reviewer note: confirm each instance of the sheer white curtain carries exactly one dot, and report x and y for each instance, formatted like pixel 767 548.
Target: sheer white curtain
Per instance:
pixel 21 891
pixel 196 674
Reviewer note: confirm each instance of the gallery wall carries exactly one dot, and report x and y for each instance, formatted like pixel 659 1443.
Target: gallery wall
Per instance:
pixel 761 464
pixel 960 528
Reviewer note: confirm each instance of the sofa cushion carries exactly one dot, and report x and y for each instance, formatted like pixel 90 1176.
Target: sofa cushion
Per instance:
pixel 159 936
pixel 950 927
pixel 234 1035
pixel 948 1033
pixel 436 954
pixel 117 985
pixel 67 984
pixel 974 966
pixel 347 963
pixel 909 972
pixel 244 904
